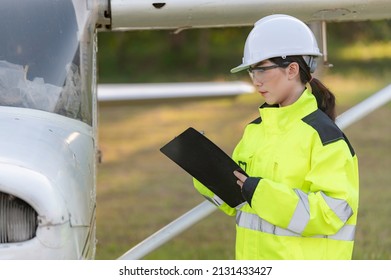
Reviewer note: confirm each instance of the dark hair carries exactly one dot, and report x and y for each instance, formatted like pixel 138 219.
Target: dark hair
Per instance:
pixel 324 97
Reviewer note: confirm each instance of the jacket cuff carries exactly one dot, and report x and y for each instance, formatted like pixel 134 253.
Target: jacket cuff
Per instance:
pixel 249 187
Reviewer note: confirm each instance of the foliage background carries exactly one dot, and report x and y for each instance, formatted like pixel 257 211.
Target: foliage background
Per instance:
pixel 209 54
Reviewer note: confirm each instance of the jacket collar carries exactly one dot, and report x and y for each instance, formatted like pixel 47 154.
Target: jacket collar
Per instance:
pixel 284 117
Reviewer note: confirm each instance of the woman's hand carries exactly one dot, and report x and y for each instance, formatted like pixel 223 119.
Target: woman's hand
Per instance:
pixel 241 178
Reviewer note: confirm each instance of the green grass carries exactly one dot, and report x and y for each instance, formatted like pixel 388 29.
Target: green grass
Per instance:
pixel 372 140
pixel 139 190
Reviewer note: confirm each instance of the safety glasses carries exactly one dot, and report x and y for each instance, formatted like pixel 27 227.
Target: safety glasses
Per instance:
pixel 256 72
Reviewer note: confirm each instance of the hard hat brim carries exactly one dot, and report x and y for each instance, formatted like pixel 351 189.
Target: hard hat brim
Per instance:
pixel 239 68
pixel 245 66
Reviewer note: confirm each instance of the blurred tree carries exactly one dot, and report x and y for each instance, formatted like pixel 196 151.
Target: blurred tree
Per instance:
pixel 199 54
pixel 365 31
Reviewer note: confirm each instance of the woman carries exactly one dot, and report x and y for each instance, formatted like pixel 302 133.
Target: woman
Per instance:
pixel 302 190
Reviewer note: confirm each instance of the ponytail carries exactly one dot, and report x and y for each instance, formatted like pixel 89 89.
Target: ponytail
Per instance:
pixel 324 97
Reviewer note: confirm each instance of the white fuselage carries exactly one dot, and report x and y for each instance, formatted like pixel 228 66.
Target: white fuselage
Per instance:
pixel 48 161
pixel 48 129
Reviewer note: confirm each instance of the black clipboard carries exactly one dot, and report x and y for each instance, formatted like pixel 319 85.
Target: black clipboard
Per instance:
pixel 206 162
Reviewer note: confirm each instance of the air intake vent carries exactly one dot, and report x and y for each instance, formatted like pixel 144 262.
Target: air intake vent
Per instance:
pixel 18 220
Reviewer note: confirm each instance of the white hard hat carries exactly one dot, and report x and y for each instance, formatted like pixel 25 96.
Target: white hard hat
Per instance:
pixel 278 36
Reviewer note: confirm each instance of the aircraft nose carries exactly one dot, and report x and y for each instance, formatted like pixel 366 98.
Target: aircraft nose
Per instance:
pixel 38 200
pixel 34 221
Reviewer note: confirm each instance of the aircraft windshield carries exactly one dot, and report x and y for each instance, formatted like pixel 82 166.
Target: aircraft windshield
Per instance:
pixel 40 57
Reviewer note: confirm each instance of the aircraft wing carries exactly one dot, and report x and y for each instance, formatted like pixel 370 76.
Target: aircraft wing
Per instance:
pixel 118 92
pixel 183 14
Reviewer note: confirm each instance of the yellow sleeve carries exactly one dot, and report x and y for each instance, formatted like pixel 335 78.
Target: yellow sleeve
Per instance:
pixel 209 195
pixel 330 202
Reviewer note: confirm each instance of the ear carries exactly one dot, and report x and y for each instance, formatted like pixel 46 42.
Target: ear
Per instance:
pixel 293 70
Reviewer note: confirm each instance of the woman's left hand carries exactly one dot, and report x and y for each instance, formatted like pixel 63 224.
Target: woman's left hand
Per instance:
pixel 241 178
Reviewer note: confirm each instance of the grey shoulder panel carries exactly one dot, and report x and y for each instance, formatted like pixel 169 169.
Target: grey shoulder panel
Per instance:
pixel 328 131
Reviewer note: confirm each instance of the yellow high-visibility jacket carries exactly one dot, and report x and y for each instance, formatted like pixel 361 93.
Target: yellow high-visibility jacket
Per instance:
pixel 302 193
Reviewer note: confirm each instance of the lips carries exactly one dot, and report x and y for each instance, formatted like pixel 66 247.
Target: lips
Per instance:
pixel 263 92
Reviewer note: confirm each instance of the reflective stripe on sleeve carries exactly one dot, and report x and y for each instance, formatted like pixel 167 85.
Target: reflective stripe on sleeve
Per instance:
pixel 346 233
pixel 301 216
pixel 340 207
pixel 254 222
pixel 215 200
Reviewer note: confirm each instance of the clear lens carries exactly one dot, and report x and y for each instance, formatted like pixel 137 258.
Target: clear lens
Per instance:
pixel 257 72
pixel 251 74
pixel 18 220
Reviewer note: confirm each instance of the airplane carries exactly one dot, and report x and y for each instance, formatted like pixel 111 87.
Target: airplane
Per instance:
pixel 49 147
